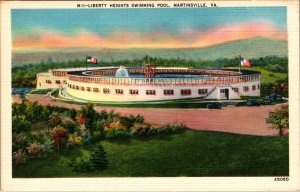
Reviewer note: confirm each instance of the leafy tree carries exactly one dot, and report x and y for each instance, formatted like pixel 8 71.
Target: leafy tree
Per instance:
pixel 55 120
pixel 81 119
pixel 98 158
pixel 72 113
pixel 280 119
pixel 91 117
pixel 139 119
pixel 59 136
pixel 70 126
pixel 103 114
pixel 16 110
pixel 20 125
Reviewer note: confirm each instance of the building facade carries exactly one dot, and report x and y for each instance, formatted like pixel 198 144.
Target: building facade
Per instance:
pixel 155 84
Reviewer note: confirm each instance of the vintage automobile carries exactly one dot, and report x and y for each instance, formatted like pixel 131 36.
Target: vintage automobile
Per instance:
pixel 252 102
pixel 214 105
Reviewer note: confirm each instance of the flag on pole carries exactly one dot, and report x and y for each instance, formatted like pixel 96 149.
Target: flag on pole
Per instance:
pixel 245 63
pixel 90 59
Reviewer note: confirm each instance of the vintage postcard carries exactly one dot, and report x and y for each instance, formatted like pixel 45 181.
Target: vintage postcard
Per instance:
pixel 150 96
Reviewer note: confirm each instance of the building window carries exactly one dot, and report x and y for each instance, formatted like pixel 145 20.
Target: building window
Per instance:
pixel 222 90
pixel 65 82
pixel 133 92
pixel 236 90
pixel 119 91
pixel 202 91
pixel 96 90
pixel 77 87
pixel 246 89
pixel 253 87
pixel 258 86
pixel 57 81
pixel 168 92
pixel 150 92
pixel 106 91
pixel 73 87
pixel 186 92
pixel 82 88
pixel 48 81
pixel 88 89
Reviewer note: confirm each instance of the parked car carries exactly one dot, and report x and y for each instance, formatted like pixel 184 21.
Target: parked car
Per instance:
pixel 273 97
pixel 278 98
pixel 214 105
pixel 267 101
pixel 252 102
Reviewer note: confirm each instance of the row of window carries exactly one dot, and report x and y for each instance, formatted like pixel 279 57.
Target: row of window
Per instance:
pixel 153 92
pixel 56 81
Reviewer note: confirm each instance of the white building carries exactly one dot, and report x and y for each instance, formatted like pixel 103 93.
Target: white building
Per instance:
pixel 151 83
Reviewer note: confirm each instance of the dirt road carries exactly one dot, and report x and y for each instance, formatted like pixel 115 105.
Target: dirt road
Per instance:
pixel 240 120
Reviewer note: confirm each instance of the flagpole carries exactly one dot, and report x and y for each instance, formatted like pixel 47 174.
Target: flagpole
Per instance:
pixel 240 66
pixel 86 62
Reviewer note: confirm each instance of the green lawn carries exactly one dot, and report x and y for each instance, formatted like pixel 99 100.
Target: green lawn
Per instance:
pixel 267 76
pixel 188 154
pixel 40 91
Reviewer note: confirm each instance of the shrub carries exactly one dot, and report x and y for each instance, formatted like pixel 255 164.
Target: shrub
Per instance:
pixel 34 149
pixel 19 142
pixel 139 119
pixel 64 161
pixel 117 134
pixel 72 113
pixel 103 114
pixel 70 126
pixel 82 164
pixel 81 119
pixel 75 140
pixel 176 127
pixel 280 119
pixel 114 125
pixel 18 157
pixel 55 120
pixel 20 125
pixel 59 136
pixel 98 158
pixel 98 135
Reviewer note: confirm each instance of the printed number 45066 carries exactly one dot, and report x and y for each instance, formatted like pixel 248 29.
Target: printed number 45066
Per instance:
pixel 281 179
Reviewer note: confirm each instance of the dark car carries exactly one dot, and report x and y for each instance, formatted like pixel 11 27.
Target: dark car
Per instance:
pixel 278 98
pixel 252 102
pixel 273 97
pixel 214 105
pixel 267 101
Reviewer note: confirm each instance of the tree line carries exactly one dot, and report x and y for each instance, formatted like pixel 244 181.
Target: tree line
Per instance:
pixel 25 75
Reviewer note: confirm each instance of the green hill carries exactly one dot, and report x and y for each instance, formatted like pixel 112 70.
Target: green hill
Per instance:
pixel 249 48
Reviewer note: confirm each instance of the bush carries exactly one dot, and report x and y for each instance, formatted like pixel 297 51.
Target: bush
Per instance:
pixel 55 120
pixel 117 134
pixel 18 157
pixel 98 135
pixel 59 136
pixel 20 125
pixel 70 126
pixel 34 149
pixel 82 164
pixel 75 140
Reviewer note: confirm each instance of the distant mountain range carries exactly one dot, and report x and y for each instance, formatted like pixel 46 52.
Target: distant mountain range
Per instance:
pixel 249 48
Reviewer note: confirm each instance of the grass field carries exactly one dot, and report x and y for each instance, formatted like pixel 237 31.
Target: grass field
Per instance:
pixel 41 91
pixel 267 76
pixel 188 154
